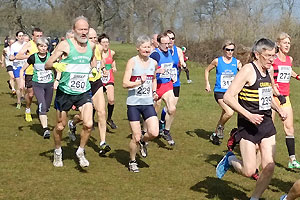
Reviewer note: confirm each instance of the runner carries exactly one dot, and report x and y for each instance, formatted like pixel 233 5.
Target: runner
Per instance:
pixel 253 86
pixel 187 72
pixel 17 64
pixel 74 87
pixel 164 83
pixel 139 79
pixel 154 43
pixel 107 77
pixel 29 49
pixel 282 72
pixel 227 67
pixel 178 61
pixel 98 98
pixel 9 65
pixel 42 82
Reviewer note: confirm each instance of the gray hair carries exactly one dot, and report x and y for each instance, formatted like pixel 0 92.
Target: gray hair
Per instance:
pixel 68 33
pixel 262 45
pixel 141 40
pixel 42 40
pixel 79 18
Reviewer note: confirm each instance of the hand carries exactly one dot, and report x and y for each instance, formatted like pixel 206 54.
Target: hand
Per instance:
pixel 114 69
pixel 282 114
pixel 183 65
pixel 160 71
pixel 55 85
pixel 105 72
pixel 155 96
pixel 207 88
pixel 143 78
pixel 22 84
pixel 256 118
pixel 60 66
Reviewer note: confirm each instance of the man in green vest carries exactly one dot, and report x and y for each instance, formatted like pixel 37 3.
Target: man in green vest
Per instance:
pixel 76 56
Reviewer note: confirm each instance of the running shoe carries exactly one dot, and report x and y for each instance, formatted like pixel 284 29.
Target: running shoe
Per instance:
pixel 13 91
pixel 111 123
pixel 189 81
pixel 28 117
pixel 162 125
pixel 283 197
pixel 133 166
pixel 57 162
pixel 220 131
pixel 46 134
pixel 168 138
pixel 294 165
pixel 143 148
pixel 255 176
pixel 83 162
pixel 18 106
pixel 231 143
pixel 223 165
pixel 215 139
pixel 72 131
pixel 104 148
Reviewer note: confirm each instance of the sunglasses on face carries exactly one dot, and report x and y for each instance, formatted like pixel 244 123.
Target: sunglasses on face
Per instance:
pixel 172 38
pixel 226 49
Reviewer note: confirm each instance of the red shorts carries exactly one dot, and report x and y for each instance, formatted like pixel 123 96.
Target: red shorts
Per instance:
pixel 162 88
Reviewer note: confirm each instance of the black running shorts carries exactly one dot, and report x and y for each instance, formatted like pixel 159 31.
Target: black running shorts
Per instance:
pixel 134 112
pixel 176 91
pixel 28 81
pixel 218 95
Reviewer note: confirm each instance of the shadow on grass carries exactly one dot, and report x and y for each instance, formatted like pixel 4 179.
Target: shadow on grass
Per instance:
pixel 282 186
pixel 214 187
pixel 213 159
pixel 200 133
pixel 286 168
pixel 122 157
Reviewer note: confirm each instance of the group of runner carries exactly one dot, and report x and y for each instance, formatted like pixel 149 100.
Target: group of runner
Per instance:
pixel 81 69
pixel 255 91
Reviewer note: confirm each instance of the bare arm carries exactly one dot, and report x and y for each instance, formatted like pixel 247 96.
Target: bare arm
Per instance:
pixel 181 58
pixel 239 64
pixel 212 65
pixel 62 49
pixel 126 79
pixel 22 54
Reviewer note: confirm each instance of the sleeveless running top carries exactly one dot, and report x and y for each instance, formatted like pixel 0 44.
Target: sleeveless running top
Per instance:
pixel 225 74
pixel 175 69
pixel 142 94
pixel 33 49
pixel 109 77
pixel 40 75
pixel 258 97
pixel 74 80
pixel 282 75
pixel 98 57
pixel 165 63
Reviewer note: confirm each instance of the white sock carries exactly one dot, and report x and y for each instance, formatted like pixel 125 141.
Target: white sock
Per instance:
pixel 58 151
pixel 80 150
pixel 230 158
pixel 254 198
pixel 27 110
pixel 293 157
pixel 102 142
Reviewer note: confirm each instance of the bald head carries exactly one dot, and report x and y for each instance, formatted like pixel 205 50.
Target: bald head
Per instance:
pixel 93 36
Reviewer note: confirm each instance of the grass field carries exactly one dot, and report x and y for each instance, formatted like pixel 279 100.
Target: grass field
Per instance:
pixel 186 171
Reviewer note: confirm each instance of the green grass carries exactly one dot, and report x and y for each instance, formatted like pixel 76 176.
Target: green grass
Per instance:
pixel 186 171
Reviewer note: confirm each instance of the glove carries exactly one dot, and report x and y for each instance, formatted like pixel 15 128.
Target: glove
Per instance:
pixel 282 99
pixel 60 66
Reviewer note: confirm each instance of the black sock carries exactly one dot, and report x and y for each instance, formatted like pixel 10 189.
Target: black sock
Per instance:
pixel 110 109
pixel 187 74
pixel 290 144
pixel 45 129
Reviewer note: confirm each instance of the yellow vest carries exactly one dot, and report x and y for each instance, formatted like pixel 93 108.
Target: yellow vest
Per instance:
pixel 98 57
pixel 33 49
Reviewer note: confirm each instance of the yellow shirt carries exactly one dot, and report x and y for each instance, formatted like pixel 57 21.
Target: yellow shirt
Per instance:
pixel 98 58
pixel 33 49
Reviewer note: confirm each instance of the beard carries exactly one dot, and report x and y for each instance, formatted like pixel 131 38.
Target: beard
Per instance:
pixel 79 39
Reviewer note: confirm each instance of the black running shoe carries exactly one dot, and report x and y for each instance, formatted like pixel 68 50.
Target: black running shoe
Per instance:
pixel 111 123
pixel 104 148
pixel 215 139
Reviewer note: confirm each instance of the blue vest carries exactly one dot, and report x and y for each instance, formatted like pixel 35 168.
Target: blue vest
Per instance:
pixel 175 58
pixel 225 74
pixel 167 64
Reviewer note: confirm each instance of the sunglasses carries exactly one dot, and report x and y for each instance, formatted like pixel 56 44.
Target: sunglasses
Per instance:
pixel 173 38
pixel 226 49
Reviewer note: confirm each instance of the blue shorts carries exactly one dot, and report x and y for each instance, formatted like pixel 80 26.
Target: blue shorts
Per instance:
pixel 17 72
pixel 134 112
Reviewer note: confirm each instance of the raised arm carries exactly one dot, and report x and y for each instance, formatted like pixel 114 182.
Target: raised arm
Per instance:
pixel 62 49
pixel 23 53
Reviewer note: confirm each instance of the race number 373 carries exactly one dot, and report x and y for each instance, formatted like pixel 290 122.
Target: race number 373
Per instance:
pixel 265 98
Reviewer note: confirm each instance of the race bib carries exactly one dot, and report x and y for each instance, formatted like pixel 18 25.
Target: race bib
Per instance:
pixel 174 74
pixel 284 74
pixel 144 90
pixel 226 80
pixel 105 77
pixel 265 98
pixel 44 76
pixel 78 82
pixel 168 69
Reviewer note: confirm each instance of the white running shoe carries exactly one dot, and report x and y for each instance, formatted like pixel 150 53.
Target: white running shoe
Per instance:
pixel 133 166
pixel 83 162
pixel 189 81
pixel 57 162
pixel 220 131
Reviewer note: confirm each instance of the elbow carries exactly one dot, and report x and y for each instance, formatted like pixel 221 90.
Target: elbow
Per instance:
pixel 125 85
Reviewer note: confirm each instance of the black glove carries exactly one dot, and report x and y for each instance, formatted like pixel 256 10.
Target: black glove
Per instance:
pixel 282 99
